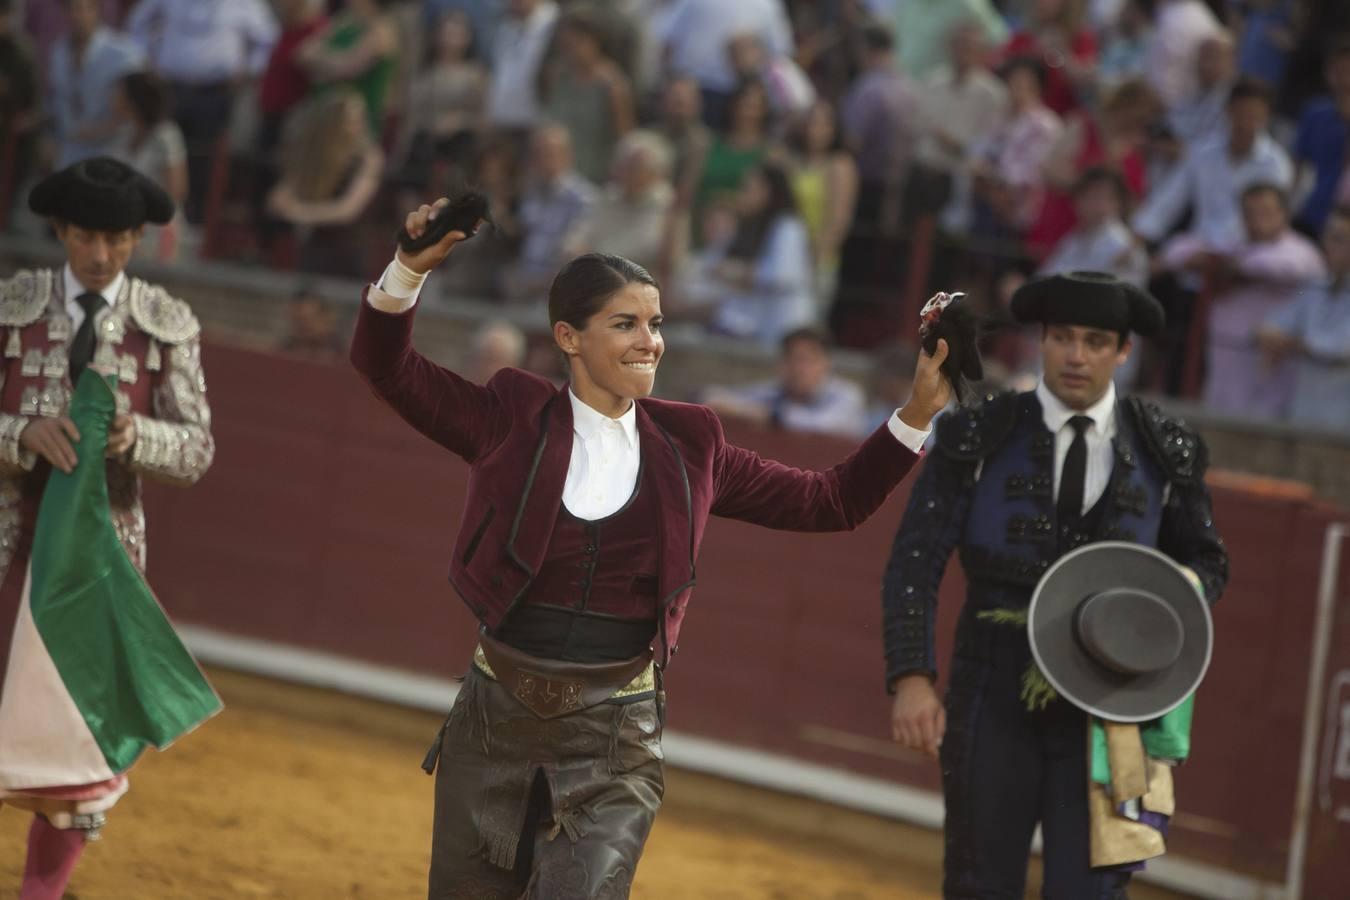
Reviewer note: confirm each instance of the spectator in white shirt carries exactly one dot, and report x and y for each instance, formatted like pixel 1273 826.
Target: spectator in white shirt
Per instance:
pixel 696 36
pixel 205 52
pixel 1100 241
pixel 1213 175
pixel 807 396
pixel 1179 28
pixel 766 273
pixel 82 78
pixel 195 43
pixel 518 49
pixel 1200 116
pixel 1209 181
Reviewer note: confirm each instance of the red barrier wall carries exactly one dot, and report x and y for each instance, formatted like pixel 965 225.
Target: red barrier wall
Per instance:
pixel 1328 815
pixel 327 523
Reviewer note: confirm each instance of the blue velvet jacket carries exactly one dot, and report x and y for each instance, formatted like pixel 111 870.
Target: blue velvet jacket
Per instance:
pixel 987 490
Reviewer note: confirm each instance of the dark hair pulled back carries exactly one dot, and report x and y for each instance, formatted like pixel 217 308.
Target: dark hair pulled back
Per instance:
pixel 584 285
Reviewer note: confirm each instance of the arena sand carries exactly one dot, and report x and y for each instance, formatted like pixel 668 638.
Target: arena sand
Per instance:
pixel 298 793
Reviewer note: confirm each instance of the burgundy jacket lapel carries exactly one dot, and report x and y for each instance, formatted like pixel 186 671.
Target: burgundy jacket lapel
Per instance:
pixel 670 480
pixel 541 495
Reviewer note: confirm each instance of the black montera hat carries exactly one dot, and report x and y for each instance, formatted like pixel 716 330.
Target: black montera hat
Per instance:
pixel 1091 299
pixel 101 194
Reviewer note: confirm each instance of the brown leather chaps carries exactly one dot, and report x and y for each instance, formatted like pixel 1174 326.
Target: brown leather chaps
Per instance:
pixel 533 807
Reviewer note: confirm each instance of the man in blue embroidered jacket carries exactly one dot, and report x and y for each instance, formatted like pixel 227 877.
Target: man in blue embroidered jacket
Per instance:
pixel 1015 483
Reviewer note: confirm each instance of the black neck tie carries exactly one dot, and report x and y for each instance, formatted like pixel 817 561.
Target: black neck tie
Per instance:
pixel 82 345
pixel 1074 474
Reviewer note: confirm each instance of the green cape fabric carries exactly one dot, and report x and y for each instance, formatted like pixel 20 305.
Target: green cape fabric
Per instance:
pixel 117 654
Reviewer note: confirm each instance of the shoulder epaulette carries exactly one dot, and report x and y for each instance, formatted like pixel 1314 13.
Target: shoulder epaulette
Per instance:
pixel 24 297
pixel 975 431
pixel 1174 445
pixel 161 315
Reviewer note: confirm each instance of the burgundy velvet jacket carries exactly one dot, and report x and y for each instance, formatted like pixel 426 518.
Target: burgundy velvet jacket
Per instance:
pixel 516 435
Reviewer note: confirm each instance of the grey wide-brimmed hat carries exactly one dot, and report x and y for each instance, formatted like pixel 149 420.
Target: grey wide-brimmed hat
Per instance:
pixel 1120 631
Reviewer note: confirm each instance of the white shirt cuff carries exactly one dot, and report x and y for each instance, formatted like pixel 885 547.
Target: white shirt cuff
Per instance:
pixel 908 435
pixel 397 290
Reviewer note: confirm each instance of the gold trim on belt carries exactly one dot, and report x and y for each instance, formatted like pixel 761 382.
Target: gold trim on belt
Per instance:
pixel 644 683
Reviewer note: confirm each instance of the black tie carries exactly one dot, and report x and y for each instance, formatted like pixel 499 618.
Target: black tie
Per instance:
pixel 1072 478
pixel 82 347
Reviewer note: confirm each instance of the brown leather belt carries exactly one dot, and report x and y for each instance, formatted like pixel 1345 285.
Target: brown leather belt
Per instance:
pixel 550 688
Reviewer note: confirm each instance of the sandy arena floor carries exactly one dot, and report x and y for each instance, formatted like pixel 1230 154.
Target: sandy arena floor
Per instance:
pixel 297 793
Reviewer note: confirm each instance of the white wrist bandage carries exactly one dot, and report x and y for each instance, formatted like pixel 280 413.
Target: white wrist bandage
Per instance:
pixel 400 281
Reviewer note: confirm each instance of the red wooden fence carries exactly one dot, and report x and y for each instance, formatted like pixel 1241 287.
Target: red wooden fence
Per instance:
pixel 326 523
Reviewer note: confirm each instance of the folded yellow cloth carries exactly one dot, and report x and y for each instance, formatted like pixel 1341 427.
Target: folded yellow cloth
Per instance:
pixel 1116 839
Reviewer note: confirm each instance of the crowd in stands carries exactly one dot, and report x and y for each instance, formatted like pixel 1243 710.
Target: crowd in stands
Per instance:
pixel 798 174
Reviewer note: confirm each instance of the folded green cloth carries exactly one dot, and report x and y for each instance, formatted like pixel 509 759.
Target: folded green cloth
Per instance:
pixel 1165 738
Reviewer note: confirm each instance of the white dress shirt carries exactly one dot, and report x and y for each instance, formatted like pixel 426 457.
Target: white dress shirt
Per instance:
pixel 1179 30
pixel 81 95
pixel 606 453
pixel 1211 181
pixel 605 461
pixel 518 49
pixel 779 298
pixel 968 110
pixel 1100 453
pixel 205 42
pixel 1107 248
pixel 74 289
pixel 696 33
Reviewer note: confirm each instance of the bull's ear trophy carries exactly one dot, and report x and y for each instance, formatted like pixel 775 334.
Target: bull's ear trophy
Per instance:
pixel 465 213
pixel 945 317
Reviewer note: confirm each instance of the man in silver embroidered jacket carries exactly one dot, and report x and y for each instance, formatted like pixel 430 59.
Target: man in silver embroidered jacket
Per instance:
pixel 53 325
